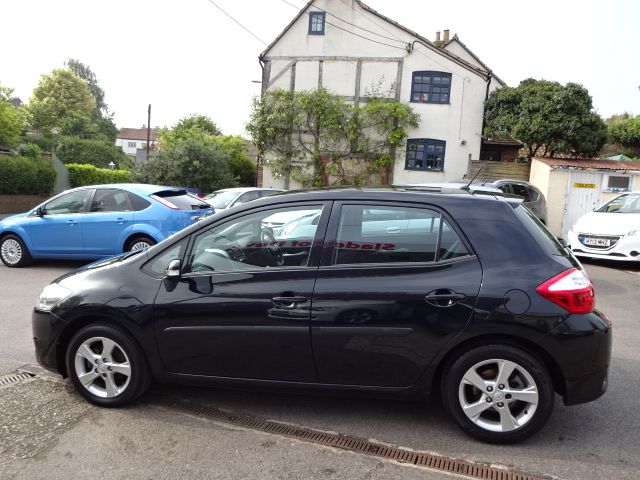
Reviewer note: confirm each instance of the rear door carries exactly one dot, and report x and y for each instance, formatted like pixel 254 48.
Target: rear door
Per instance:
pixel 110 214
pixel 396 283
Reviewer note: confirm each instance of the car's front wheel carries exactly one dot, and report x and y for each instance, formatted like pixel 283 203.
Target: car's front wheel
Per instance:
pixel 498 393
pixel 106 365
pixel 14 252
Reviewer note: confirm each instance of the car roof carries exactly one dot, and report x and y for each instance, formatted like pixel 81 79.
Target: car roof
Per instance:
pixel 461 186
pixel 141 188
pixel 246 189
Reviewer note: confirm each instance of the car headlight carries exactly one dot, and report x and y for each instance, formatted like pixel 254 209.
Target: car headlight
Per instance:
pixel 51 296
pixel 634 233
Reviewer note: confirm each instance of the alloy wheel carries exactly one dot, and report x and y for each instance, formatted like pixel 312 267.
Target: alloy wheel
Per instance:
pixel 11 251
pixel 102 367
pixel 498 395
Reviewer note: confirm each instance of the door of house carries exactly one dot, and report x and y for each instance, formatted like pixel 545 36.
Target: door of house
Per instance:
pixel 584 193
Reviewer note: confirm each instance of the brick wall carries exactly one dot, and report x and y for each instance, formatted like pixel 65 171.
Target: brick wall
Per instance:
pixel 19 203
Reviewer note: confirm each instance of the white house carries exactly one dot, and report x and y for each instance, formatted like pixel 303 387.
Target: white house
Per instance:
pixel 133 140
pixel 347 47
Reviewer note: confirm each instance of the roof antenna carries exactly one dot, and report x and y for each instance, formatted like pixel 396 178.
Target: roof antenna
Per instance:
pixel 466 187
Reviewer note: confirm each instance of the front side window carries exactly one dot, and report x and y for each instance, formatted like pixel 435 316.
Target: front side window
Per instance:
pixel 110 200
pixel 431 87
pixel 157 265
pixel 73 202
pixel 247 197
pixel 250 242
pixel 390 234
pixel 316 23
pixel 425 154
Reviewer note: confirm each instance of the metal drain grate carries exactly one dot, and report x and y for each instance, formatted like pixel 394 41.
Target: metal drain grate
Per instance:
pixel 420 459
pixel 14 378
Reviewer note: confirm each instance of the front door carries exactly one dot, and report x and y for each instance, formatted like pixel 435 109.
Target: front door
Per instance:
pixel 59 230
pixel 396 286
pixel 241 308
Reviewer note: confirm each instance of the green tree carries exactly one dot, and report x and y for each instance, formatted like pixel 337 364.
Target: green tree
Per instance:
pixel 61 102
pixel 102 118
pixel 547 117
pixel 189 127
pixel 311 133
pixel 242 168
pixel 11 119
pixel 624 130
pixel 192 162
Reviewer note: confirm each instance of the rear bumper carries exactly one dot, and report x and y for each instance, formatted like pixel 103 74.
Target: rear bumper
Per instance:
pixel 583 352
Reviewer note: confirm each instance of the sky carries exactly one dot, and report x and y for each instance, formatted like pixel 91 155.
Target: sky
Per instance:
pixel 186 57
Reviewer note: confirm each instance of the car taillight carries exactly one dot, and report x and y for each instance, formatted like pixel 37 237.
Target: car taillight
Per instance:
pixel 165 202
pixel 571 290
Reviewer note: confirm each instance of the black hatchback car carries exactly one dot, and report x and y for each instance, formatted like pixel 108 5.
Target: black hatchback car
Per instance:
pixel 392 291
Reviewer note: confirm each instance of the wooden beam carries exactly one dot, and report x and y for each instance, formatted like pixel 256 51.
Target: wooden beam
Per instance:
pixel 281 72
pixel 358 77
pixel 335 58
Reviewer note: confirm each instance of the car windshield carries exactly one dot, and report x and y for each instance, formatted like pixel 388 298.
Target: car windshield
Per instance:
pixel 221 199
pixel 627 203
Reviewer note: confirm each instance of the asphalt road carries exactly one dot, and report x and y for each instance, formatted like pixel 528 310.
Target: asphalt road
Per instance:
pixel 47 431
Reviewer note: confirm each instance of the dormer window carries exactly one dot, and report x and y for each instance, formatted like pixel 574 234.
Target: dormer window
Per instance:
pixel 316 23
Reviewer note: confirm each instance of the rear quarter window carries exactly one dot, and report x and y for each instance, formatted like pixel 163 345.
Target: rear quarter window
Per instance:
pixel 547 241
pixel 138 203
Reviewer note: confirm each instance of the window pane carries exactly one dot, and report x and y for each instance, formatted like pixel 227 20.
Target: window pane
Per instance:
pixel 383 234
pixel 271 238
pixel 619 182
pixel 157 265
pixel 450 244
pixel 69 203
pixel 110 200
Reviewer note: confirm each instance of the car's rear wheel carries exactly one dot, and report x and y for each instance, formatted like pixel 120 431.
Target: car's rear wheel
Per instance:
pixel 14 252
pixel 106 366
pixel 139 242
pixel 498 393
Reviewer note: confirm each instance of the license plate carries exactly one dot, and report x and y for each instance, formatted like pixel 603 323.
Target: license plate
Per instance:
pixel 597 242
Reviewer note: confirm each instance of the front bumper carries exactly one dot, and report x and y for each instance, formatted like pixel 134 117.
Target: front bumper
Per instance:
pixel 47 329
pixel 625 249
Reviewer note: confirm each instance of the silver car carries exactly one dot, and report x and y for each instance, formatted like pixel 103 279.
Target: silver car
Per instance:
pixel 229 197
pixel 533 198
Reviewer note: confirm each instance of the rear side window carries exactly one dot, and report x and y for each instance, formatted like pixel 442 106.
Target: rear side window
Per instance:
pixel 390 234
pixel 544 237
pixel 180 200
pixel 138 203
pixel 110 200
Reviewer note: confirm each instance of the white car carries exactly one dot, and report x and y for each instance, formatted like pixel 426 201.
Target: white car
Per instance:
pixel 229 197
pixel 611 232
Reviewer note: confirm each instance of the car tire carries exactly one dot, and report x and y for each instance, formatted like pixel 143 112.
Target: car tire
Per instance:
pixel 498 393
pixel 106 365
pixel 13 252
pixel 139 242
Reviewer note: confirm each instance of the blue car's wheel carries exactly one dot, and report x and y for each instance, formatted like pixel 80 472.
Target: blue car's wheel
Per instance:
pixel 14 252
pixel 139 242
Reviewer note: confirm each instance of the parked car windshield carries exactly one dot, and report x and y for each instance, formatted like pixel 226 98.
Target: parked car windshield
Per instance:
pixel 627 203
pixel 221 199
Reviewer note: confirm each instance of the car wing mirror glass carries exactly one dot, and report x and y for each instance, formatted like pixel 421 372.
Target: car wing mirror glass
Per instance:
pixel 173 269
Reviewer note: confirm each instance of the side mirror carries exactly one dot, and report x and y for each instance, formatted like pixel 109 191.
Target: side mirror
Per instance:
pixel 172 271
pixel 40 212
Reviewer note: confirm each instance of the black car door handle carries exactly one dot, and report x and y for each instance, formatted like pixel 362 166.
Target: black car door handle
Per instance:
pixel 288 302
pixel 443 298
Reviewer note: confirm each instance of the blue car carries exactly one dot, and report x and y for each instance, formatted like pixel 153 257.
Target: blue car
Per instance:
pixel 98 221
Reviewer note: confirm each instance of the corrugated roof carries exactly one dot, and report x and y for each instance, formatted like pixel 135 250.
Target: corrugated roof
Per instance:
pixel 585 164
pixel 137 134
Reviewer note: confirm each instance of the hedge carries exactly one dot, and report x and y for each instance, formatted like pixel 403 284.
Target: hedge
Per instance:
pixel 81 174
pixel 26 176
pixel 93 152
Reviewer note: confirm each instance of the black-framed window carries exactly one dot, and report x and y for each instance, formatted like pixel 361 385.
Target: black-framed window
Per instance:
pixel 425 154
pixel 316 23
pixel 431 87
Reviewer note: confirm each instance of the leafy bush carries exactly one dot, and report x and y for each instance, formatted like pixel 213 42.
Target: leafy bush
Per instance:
pixel 92 152
pixel 30 150
pixel 26 176
pixel 82 174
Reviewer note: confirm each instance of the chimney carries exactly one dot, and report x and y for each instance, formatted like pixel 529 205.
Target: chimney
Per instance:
pixel 437 38
pixel 446 36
